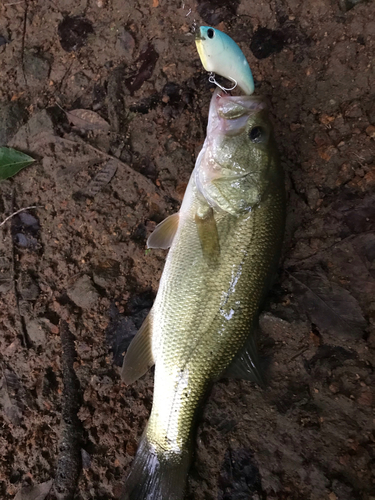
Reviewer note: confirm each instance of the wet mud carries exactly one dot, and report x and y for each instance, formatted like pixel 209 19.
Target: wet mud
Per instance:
pixel 104 179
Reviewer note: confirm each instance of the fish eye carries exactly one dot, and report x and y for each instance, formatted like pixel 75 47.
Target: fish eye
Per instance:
pixel 210 33
pixel 257 134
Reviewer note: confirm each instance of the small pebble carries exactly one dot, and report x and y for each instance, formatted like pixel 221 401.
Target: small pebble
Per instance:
pixel 370 131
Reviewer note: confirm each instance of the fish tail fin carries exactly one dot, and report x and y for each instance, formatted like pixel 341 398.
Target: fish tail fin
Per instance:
pixel 156 475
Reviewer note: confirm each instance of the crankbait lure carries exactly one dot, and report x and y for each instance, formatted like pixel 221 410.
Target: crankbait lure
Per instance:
pixel 221 55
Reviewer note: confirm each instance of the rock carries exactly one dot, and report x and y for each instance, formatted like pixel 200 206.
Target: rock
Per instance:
pixel 313 196
pixel 120 332
pixel 28 287
pixel 214 12
pixel 328 305
pixel 370 111
pixel 32 132
pixel 25 228
pixel 328 358
pixel 346 5
pixel 342 491
pixel 125 44
pixel 106 272
pixel 239 475
pixel 3 40
pixel 12 116
pixel 36 331
pixel 370 131
pixel 37 69
pixel 365 398
pixel 6 275
pixel 83 293
pixel 25 308
pixel 26 241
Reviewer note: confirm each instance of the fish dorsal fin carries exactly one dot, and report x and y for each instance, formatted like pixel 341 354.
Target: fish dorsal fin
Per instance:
pixel 138 358
pixel 246 364
pixel 208 235
pixel 164 232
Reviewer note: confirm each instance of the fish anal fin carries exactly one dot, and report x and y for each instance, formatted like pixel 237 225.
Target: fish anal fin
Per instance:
pixel 138 358
pixel 163 234
pixel 208 235
pixel 246 364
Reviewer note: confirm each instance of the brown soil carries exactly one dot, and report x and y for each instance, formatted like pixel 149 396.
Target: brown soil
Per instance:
pixel 80 256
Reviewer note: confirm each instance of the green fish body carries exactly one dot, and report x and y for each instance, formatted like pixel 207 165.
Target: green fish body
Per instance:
pixel 224 248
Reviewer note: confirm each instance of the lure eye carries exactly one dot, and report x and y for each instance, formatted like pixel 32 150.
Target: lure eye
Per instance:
pixel 257 134
pixel 210 33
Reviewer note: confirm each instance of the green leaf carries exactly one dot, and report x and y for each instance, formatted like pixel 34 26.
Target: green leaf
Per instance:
pixel 12 161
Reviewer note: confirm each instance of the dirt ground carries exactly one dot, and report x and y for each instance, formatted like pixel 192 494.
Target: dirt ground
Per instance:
pixel 80 255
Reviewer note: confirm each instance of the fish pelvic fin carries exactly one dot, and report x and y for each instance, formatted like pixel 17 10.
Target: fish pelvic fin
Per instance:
pixel 156 474
pixel 247 364
pixel 164 233
pixel 139 357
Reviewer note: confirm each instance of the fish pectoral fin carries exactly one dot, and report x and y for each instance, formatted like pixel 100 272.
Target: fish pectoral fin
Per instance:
pixel 138 358
pixel 246 364
pixel 164 232
pixel 208 235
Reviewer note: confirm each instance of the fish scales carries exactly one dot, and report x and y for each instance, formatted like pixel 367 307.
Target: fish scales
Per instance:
pixel 222 258
pixel 191 332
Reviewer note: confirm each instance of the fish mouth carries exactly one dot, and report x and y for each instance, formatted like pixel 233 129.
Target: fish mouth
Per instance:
pixel 233 107
pixel 228 117
pixel 229 114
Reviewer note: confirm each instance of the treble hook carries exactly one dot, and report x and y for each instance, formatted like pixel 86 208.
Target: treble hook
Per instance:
pixel 212 79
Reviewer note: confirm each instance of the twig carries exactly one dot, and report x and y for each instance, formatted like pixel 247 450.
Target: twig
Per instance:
pixel 62 81
pixel 18 211
pixel 69 463
pixel 336 243
pixel 84 143
pixel 107 155
pixel 23 41
pixel 301 351
pixel 21 320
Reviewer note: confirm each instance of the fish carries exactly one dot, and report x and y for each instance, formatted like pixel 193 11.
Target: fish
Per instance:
pixel 221 55
pixel 224 247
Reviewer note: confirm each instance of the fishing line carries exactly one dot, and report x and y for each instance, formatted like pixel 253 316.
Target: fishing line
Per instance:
pixel 212 79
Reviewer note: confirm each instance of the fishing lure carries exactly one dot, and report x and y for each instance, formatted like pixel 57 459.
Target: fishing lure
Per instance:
pixel 221 55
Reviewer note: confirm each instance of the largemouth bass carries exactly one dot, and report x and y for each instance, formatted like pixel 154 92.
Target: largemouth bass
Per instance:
pixel 224 244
